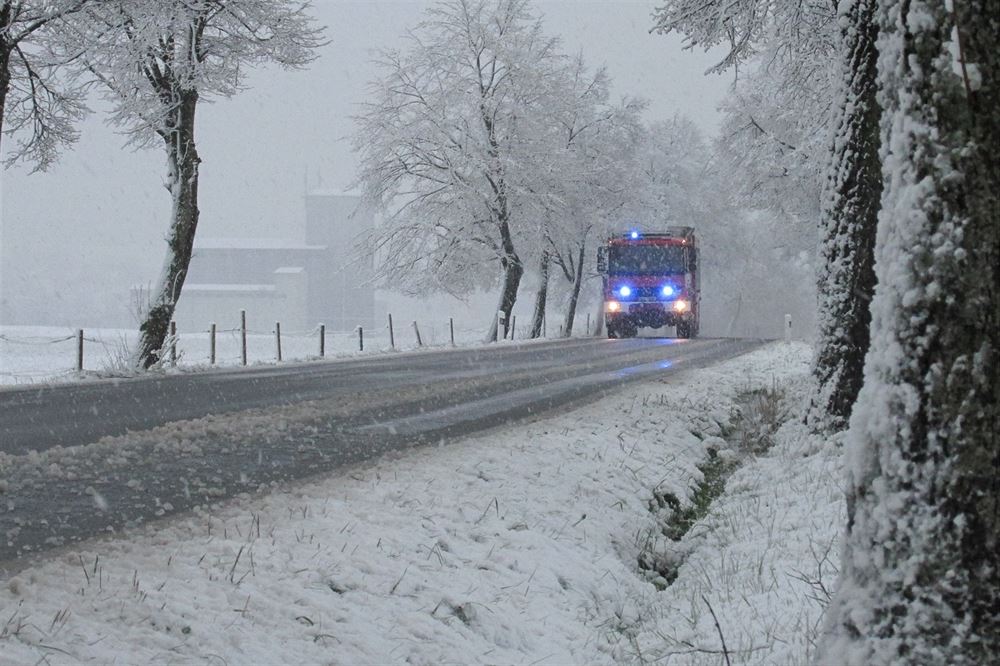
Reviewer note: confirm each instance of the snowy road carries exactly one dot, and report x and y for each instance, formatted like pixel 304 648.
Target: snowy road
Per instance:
pixel 80 460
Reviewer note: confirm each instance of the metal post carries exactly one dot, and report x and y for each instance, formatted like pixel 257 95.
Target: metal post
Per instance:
pixel 211 344
pixel 392 339
pixel 788 328
pixel 173 344
pixel 416 330
pixel 451 329
pixel 243 336
pixel 277 339
pixel 79 350
pixel 513 325
pixel 544 318
pixel 322 340
pixel 588 324
pixel 361 338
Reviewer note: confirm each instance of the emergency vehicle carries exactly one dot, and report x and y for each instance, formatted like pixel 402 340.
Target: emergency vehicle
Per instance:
pixel 650 279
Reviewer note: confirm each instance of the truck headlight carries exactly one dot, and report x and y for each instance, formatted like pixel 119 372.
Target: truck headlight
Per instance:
pixel 614 306
pixel 680 306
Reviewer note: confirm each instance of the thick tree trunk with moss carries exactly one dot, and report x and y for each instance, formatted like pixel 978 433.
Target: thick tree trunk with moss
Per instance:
pixel 182 183
pixel 920 576
pixel 538 316
pixel 850 216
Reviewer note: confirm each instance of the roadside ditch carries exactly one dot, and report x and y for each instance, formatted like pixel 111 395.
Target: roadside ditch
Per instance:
pixel 756 417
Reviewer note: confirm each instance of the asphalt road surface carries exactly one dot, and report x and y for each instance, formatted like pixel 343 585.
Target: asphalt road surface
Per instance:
pixel 82 460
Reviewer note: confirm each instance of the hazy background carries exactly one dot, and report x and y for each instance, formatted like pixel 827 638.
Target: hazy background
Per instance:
pixel 74 239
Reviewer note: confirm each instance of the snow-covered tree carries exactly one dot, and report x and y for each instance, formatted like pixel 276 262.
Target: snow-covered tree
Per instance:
pixel 37 104
pixel 850 215
pixel 593 151
pixel 157 59
pixel 448 146
pixel 920 575
pixel 775 140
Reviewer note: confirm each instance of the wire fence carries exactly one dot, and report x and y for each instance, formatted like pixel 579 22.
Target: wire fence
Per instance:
pixel 42 354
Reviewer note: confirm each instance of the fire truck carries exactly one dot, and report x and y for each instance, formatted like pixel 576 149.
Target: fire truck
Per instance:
pixel 650 279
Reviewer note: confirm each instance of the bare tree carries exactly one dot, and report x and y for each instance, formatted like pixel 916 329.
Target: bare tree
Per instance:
pixel 447 145
pixel 36 103
pixel 157 59
pixel 919 579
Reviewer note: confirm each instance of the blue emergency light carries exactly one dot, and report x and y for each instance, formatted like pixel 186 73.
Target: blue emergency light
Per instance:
pixel 633 234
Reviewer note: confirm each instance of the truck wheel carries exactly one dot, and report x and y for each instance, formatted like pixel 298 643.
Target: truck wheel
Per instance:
pixel 683 329
pixel 630 330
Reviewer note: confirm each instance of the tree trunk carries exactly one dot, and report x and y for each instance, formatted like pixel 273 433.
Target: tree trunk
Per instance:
pixel 541 297
pixel 919 576
pixel 4 82
pixel 512 272
pixel 574 296
pixel 182 183
pixel 850 217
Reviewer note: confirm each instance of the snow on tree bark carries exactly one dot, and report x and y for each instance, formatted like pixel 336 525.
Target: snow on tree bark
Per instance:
pixel 921 571
pixel 182 183
pixel 849 219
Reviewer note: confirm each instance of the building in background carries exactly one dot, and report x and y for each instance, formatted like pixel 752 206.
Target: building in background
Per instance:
pixel 325 277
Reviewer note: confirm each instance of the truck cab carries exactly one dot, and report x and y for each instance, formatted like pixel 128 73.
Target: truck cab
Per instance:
pixel 650 279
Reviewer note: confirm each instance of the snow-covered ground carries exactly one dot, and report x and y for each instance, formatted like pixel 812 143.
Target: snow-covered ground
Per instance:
pixel 32 354
pixel 519 545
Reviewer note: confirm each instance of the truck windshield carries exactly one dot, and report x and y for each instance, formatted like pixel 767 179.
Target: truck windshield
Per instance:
pixel 637 259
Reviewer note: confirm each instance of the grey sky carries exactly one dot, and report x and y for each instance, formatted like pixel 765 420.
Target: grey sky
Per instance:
pixel 74 239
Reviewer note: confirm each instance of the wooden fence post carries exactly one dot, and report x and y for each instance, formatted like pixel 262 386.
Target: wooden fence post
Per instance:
pixel 79 350
pixel 588 323
pixel 173 344
pixel 277 339
pixel 451 329
pixel 322 340
pixel 416 330
pixel 392 339
pixel 513 325
pixel 243 336
pixel 211 345
pixel 361 338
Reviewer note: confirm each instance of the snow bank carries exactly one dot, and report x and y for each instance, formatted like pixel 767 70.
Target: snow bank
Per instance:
pixel 516 546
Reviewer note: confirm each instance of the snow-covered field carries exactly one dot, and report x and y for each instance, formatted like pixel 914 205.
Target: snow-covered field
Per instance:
pixel 519 545
pixel 31 354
